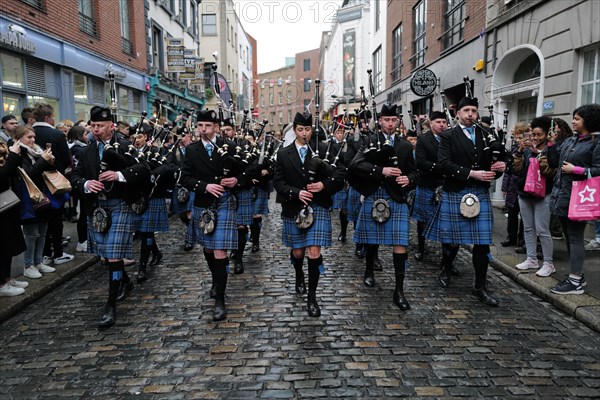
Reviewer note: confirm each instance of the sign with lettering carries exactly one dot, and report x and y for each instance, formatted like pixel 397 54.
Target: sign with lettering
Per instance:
pixel 17 41
pixel 175 55
pixel 423 82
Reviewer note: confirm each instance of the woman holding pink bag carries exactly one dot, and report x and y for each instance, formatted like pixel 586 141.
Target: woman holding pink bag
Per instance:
pixel 537 166
pixel 579 158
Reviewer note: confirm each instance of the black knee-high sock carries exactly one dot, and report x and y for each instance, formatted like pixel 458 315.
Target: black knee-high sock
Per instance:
pixel 220 276
pixel 115 277
pixel 242 239
pixel 153 246
pixel 344 222
pixel 313 273
pixel 255 229
pixel 297 263
pixel 480 263
pixel 145 246
pixel 370 255
pixel 420 235
pixel 448 255
pixel 399 269
pixel 210 260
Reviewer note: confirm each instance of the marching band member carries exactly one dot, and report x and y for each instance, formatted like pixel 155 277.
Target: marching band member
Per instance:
pixel 384 181
pixel 464 214
pixel 109 181
pixel 340 199
pixel 300 184
pixel 263 185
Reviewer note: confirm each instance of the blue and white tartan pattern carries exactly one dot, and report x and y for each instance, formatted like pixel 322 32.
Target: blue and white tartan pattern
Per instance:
pixel 340 200
pixel 225 235
pixel 190 231
pixel 117 243
pixel 424 205
pixel 393 232
pixel 449 226
pixel 155 218
pixel 353 205
pixel 244 207
pixel 261 204
pixel 177 207
pixel 319 234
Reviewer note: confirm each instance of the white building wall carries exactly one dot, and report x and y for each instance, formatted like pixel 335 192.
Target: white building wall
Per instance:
pixel 378 38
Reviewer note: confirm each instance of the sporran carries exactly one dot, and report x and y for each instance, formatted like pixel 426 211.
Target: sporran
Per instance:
pixel 101 220
pixel 208 221
pixel 305 218
pixel 469 205
pixel 381 211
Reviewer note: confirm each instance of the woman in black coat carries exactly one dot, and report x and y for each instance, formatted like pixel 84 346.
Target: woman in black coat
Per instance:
pixel 579 157
pixel 11 236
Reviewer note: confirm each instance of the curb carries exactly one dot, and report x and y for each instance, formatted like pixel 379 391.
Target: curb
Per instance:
pixel 585 308
pixel 38 290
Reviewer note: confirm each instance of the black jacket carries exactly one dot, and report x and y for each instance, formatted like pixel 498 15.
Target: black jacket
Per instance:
pixel 368 177
pixel 60 148
pixel 34 170
pixel 457 156
pixel 426 158
pixel 291 176
pixel 11 234
pixel 547 169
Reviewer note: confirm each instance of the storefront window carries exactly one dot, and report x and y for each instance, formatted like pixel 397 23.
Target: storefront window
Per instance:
pixel 12 71
pixel 123 98
pixel 32 100
pixel 82 111
pixel 80 87
pixel 12 105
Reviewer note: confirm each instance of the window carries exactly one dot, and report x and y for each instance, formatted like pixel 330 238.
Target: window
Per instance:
pixel 34 3
pixel 86 17
pixel 272 118
pixel 126 44
pixel 209 24
pixel 262 100
pixel 227 32
pixel 80 87
pixel 157 49
pixel 307 64
pixel 12 71
pixel 454 23
pixel 181 14
pixel 271 95
pixel 420 22
pixel 590 77
pixel 290 117
pixel 377 75
pixel 193 18
pixel 377 15
pixel 280 118
pixel 397 49
pixel 307 85
pixel 279 98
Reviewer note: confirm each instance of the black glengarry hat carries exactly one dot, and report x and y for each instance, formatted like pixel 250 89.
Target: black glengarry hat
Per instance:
pixel 206 116
pixel 303 119
pixel 436 115
pixel 389 110
pixel 99 114
pixel 227 122
pixel 466 101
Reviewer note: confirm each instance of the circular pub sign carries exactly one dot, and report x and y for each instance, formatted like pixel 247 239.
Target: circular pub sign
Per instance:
pixel 423 82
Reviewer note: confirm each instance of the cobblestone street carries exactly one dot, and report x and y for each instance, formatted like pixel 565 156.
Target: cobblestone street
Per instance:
pixel 165 344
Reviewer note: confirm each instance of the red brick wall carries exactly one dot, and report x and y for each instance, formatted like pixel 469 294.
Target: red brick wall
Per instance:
pixel 60 18
pixel 315 61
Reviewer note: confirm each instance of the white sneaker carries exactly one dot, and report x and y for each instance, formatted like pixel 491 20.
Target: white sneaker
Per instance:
pixel 81 247
pixel 65 258
pixel 45 268
pixel 32 272
pixel 547 269
pixel 7 290
pixel 18 284
pixel 593 245
pixel 47 260
pixel 530 263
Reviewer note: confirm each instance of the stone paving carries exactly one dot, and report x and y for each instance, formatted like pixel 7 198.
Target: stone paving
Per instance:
pixel 165 344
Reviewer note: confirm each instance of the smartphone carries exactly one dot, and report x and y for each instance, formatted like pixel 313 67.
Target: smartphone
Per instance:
pixel 48 146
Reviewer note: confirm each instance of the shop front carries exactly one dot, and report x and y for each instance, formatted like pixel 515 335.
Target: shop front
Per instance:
pixel 168 98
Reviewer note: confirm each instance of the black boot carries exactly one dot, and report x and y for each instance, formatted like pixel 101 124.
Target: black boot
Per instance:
pixel 480 263
pixel 145 245
pixel 360 251
pixel 297 263
pixel 142 274
pixel 420 253
pixel 313 281
pixel 239 255
pixel 115 278
pixel 125 288
pixel 399 271
pixel 344 226
pixel 376 261
pixel 255 233
pixel 448 256
pixel 156 257
pixel 220 279
pixel 210 260
pixel 369 279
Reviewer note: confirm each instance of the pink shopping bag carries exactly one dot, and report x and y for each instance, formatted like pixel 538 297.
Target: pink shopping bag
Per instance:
pixel 585 200
pixel 535 182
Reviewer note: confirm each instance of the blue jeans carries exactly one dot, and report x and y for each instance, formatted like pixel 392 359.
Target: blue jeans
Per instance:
pixel 35 237
pixel 598 231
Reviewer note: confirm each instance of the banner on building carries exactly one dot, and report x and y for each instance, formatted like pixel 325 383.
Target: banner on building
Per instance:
pixel 189 58
pixel 349 50
pixel 199 78
pixel 175 55
pixel 223 88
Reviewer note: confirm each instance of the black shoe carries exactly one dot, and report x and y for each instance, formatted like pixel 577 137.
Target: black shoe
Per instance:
pixel 156 259
pixel 124 290
pixel 255 247
pixel 484 296
pixel 444 279
pixel 108 317
pixel 418 256
pixel 342 238
pixel 521 250
pixel 455 272
pixel 377 264
pixel 312 306
pixel 232 254
pixel 300 285
pixel 188 247
pixel 142 274
pixel 212 293
pixel 360 252
pixel 508 242
pixel 220 311
pixel 369 279
pixel 238 268
pixel 400 300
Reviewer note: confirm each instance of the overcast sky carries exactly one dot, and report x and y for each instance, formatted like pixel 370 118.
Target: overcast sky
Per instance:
pixel 284 28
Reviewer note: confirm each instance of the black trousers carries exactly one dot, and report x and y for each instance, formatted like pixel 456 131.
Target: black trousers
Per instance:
pixel 54 234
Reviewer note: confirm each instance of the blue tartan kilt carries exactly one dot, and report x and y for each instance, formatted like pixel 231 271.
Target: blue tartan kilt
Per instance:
pixel 225 235
pixel 449 226
pixel 177 207
pixel 340 200
pixel 393 232
pixel 244 207
pixel 424 205
pixel 117 243
pixel 155 218
pixel 353 204
pixel 260 206
pixel 319 234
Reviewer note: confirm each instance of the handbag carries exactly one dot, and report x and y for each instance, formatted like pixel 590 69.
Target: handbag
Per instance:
pixel 56 182
pixel 535 182
pixel 35 194
pixel 8 200
pixel 584 204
